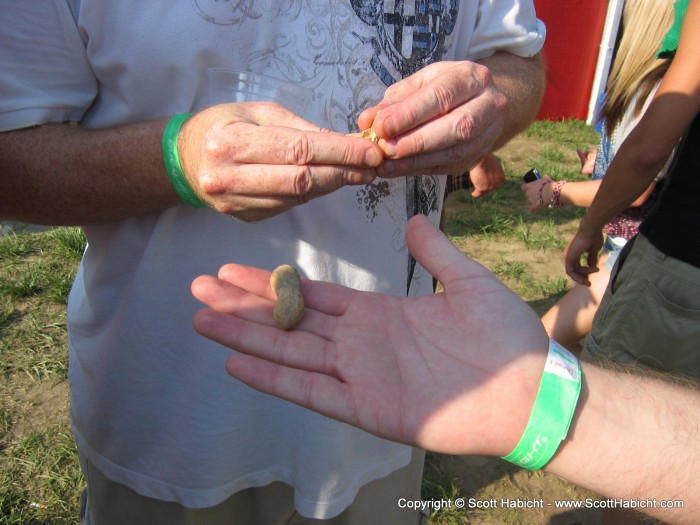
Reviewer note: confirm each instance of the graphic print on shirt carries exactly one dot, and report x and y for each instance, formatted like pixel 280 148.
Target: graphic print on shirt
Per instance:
pixel 346 51
pixel 226 12
pixel 410 34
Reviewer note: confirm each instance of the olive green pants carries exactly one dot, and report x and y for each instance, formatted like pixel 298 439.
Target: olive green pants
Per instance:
pixel 650 313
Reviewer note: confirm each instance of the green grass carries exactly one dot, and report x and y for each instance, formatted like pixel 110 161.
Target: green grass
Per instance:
pixel 39 475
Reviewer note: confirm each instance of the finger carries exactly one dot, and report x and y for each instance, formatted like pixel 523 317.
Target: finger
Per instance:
pixel 321 393
pixel 582 156
pixel 581 277
pixel 274 180
pixel 419 98
pixel 434 251
pixel 286 145
pixel 324 297
pixel 297 348
pixel 592 261
pixel 577 272
pixel 230 299
pixel 266 113
pixel 476 125
pixel 244 292
pixel 248 278
pixel 451 160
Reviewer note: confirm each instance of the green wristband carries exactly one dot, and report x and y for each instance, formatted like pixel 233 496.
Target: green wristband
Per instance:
pixel 172 161
pixel 553 410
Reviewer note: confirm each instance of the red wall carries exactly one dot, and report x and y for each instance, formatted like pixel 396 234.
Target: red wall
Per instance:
pixel 574 31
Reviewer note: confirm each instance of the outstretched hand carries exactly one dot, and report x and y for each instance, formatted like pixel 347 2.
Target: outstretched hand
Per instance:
pixel 455 372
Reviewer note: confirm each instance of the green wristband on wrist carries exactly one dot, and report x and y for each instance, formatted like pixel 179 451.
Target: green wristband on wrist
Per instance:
pixel 172 161
pixel 553 410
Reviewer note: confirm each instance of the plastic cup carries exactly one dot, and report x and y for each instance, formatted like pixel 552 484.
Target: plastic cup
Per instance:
pixel 229 85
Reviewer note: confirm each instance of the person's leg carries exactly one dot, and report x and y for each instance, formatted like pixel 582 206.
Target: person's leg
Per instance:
pixel 571 317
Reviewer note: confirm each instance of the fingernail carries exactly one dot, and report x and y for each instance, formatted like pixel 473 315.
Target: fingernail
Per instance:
pixel 389 148
pixel 388 125
pixel 373 157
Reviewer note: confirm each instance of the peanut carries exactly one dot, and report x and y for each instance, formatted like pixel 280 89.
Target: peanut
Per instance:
pixel 289 308
pixel 369 134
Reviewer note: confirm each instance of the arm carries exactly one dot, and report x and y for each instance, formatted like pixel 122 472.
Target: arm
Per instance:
pixel 61 174
pixel 522 81
pixel 580 193
pixel 448 115
pixel 248 160
pixel 539 193
pixel 646 149
pixel 635 437
pixel 407 375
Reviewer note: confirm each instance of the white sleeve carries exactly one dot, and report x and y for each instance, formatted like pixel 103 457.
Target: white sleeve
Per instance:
pixel 510 26
pixel 44 71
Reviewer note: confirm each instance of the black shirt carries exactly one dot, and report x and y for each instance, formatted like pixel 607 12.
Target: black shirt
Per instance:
pixel 673 226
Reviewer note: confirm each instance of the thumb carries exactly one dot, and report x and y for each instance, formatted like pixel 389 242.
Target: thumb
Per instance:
pixel 434 251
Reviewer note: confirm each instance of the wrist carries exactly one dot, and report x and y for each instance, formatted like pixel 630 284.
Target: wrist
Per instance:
pixel 597 419
pixel 555 200
pixel 171 146
pixel 588 226
pixel 552 412
pixel 544 193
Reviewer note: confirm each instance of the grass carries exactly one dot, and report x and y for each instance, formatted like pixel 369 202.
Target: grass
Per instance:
pixel 39 475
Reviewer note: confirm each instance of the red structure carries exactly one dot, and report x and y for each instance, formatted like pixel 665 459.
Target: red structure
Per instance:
pixel 574 32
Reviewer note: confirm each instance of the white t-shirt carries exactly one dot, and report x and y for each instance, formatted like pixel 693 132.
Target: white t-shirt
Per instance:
pixel 152 406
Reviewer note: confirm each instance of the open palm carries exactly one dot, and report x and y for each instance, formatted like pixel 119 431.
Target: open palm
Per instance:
pixel 424 371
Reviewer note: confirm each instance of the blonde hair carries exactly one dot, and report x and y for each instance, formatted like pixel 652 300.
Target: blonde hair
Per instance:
pixel 636 70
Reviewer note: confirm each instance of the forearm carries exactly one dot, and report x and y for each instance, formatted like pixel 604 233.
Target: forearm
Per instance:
pixel 60 174
pixel 634 437
pixel 522 80
pixel 582 193
pixel 629 176
pixel 579 194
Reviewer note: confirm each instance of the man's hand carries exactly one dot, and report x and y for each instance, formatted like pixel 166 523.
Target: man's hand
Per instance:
pixel 440 120
pixel 255 160
pixel 424 371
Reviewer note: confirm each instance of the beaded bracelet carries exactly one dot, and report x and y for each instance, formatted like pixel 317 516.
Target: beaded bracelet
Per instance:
pixel 540 199
pixel 554 201
pixel 172 161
